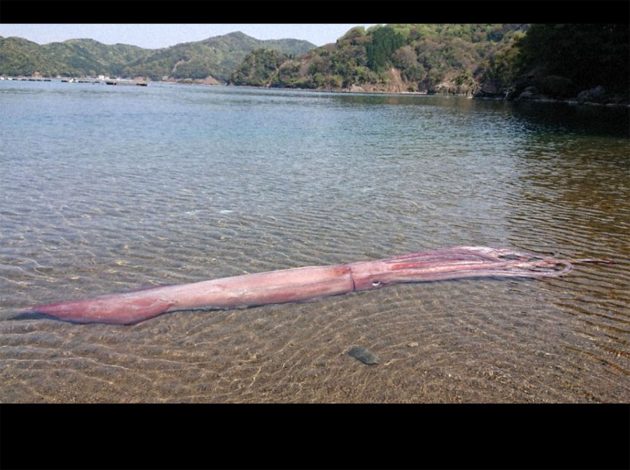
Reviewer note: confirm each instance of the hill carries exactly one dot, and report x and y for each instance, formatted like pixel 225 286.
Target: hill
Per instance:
pixel 392 58
pixel 75 57
pixel 215 57
pixel 584 63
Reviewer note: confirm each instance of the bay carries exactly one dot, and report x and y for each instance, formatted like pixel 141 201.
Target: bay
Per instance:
pixel 109 189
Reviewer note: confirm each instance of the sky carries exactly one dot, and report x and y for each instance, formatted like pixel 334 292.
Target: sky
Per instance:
pixel 154 36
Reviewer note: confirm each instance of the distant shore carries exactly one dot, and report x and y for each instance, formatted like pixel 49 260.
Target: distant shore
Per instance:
pixel 101 80
pixel 570 101
pixel 356 91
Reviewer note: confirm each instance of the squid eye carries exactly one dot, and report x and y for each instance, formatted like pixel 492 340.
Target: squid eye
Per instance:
pixel 377 283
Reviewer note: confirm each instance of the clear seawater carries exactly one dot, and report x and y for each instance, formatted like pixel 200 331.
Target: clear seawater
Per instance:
pixel 110 189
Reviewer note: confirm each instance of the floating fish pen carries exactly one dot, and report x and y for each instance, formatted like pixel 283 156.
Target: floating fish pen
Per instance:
pixel 126 82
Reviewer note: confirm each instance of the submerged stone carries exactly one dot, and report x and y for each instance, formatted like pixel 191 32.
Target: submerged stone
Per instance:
pixel 364 355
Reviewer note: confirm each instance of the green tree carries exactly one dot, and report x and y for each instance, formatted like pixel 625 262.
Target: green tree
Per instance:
pixel 259 68
pixel 384 42
pixel 589 55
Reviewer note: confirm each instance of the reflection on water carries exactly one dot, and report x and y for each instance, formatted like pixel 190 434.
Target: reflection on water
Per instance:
pixel 108 190
pixel 562 119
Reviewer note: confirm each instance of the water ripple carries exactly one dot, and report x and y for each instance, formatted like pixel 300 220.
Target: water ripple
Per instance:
pixel 118 190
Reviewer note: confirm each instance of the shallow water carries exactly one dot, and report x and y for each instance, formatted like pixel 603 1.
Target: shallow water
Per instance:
pixel 109 189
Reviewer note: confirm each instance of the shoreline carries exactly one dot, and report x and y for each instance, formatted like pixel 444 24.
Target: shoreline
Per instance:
pixel 572 102
pixel 346 91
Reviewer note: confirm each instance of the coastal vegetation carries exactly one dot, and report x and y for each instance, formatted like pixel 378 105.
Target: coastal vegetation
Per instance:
pixel 585 63
pixel 214 58
pixel 589 62
pixel 72 58
pixel 398 58
pixel 544 61
pixel 258 68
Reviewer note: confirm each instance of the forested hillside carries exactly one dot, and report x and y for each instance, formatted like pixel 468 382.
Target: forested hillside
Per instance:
pixel 75 57
pixel 581 62
pixel 216 57
pixel 586 62
pixel 423 57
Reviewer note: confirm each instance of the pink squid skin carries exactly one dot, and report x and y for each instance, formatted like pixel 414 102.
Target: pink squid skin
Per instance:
pixel 301 284
pixel 287 285
pixel 453 263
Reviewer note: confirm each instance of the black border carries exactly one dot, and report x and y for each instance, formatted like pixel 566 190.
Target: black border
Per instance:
pixel 314 11
pixel 315 436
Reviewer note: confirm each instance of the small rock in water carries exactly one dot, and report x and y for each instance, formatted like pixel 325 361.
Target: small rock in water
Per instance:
pixel 364 355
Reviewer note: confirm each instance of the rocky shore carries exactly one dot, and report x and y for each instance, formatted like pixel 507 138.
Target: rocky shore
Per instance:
pixel 552 88
pixel 597 96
